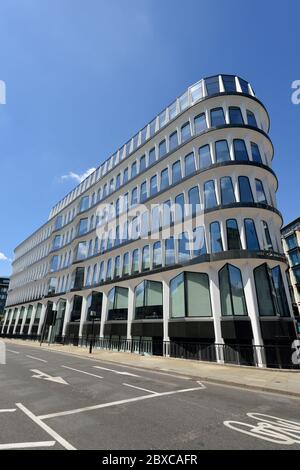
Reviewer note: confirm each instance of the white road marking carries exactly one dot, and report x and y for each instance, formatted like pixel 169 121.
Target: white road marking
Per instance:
pixel 37 358
pixel 46 428
pixel 8 410
pixel 121 402
pixel 42 375
pixel 83 372
pixel 140 388
pixel 26 445
pixel 269 428
pixel 15 352
pixel 117 371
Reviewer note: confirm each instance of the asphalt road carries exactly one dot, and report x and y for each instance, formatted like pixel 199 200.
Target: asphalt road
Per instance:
pixel 53 400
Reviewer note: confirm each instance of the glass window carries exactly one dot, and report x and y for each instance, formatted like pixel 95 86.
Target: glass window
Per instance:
pixel 216 244
pixel 117 272
pixel 164 179
pixel 142 163
pixel 227 192
pixel 109 270
pixel 260 192
pixel 204 157
pixel 294 257
pixel 176 172
pixel 296 272
pixel 173 110
pixel 118 181
pixel 251 235
pixel 183 101
pixel 135 261
pixel 245 189
pixel 152 127
pixel 264 292
pixel 212 85
pixel 146 258
pixel 291 241
pixel 217 117
pixel 169 252
pixel 157 255
pixel 152 156
pixel 210 200
pixel 153 185
pixel 111 185
pixel 232 291
pixel 183 247
pixel 194 200
pixel 173 141
pixel 101 272
pixel 177 296
pixel 83 226
pixel 235 116
pixel 134 197
pixel 167 214
pixel 143 192
pixel 144 134
pixel 125 176
pixel 229 83
pixel 162 119
pixel 185 132
pixel 280 294
pixel 199 243
pixel 200 123
pixel 133 169
pixel 190 295
pixel 162 150
pixel 155 218
pixel 196 92
pixel 256 156
pixel 222 151
pixel 54 263
pixel 251 119
pixel 268 240
pixel 179 207
pixel 145 224
pixel 240 150
pixel 125 264
pixel 233 235
pixel 56 242
pixel 189 164
pixel 84 203
pixel 244 86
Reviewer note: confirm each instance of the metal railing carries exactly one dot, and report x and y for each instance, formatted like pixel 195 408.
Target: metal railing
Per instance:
pixel 273 356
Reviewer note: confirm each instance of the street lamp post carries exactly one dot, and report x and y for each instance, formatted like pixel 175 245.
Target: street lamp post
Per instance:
pixel 92 316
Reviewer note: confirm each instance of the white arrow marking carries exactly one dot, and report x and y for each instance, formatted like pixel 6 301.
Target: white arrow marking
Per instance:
pixel 117 371
pixel 43 375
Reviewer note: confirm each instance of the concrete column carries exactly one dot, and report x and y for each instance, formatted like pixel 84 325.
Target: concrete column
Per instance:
pixel 103 313
pixel 5 320
pixel 130 311
pixel 252 307
pixel 84 309
pixel 33 313
pixel 17 320
pixel 42 318
pixel 68 311
pixel 166 316
pixel 217 313
pixel 24 319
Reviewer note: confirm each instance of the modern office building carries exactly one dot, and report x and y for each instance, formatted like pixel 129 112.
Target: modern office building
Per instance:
pixel 4 283
pixel 291 245
pixel 173 245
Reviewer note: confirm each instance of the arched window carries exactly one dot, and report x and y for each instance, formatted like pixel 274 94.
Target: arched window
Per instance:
pixel 245 190
pixel 189 164
pixel 216 244
pixel 200 123
pixel 109 270
pixel 146 258
pixel 190 296
pixel 164 179
pixel 143 192
pixel 135 261
pixel 194 200
pixel 176 172
pixel 204 157
pixel 117 272
pixel 173 141
pixel 101 277
pixel 162 149
pixel 233 235
pixel 149 300
pixel 227 192
pixel 153 185
pixel 222 151
pixel 179 208
pixel 125 264
pixel 199 243
pixel 157 255
pixel 185 132
pixel 183 247
pixel 210 200
pixel 117 304
pixel 169 252
pixel 232 294
pixel 240 150
pixel 251 235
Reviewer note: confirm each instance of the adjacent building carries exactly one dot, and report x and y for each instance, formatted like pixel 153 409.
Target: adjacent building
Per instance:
pixel 172 246
pixel 4 283
pixel 291 244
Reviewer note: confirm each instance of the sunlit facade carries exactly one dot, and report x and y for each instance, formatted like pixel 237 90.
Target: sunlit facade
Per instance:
pixel 205 162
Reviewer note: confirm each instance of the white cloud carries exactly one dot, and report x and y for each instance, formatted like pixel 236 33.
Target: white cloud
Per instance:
pixel 78 178
pixel 3 257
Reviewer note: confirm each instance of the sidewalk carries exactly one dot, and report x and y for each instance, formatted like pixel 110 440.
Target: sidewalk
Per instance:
pixel 271 380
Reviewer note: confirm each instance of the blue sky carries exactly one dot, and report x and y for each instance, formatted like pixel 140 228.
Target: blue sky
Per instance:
pixel 83 76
